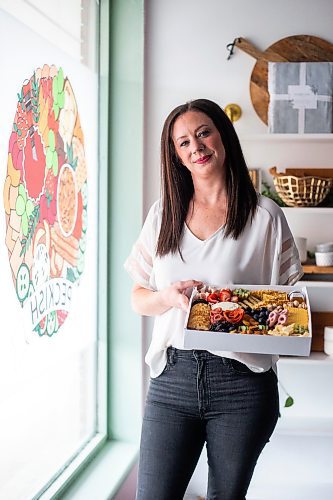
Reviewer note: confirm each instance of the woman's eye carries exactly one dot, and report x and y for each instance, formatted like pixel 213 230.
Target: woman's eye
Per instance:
pixel 203 133
pixel 184 143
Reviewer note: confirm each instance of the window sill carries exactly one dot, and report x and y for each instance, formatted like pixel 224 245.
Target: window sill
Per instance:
pixel 103 476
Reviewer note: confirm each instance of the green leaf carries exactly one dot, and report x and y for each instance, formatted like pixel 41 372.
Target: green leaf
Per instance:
pixel 289 402
pixel 55 163
pixel 60 80
pixel 48 198
pixel 56 110
pixel 61 99
pixel 70 154
pixel 20 205
pixel 21 191
pixel 29 208
pixel 74 164
pixel 49 158
pixel 15 127
pixel 25 224
pixel 71 275
pixel 55 88
pixel 51 139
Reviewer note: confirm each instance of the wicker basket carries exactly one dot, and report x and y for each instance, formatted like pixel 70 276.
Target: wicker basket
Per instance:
pixel 302 191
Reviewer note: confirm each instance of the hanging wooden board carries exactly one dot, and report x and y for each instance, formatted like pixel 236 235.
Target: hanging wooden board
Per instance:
pixel 296 48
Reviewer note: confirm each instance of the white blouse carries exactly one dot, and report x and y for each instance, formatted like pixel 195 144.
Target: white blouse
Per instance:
pixel 264 254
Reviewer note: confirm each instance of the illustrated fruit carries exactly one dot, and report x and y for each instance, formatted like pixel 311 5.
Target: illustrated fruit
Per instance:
pixel 6 191
pixel 24 209
pixel 14 174
pixel 16 152
pixel 58 93
pixel 67 116
pixel 48 200
pixel 34 165
pixel 51 153
pixel 81 168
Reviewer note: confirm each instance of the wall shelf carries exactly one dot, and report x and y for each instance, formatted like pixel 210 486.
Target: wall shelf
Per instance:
pixel 287 137
pixel 308 210
pixel 313 269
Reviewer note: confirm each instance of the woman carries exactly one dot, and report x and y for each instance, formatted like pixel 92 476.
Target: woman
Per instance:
pixel 210 226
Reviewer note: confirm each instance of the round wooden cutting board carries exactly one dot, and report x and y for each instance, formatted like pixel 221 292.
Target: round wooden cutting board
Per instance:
pixel 296 48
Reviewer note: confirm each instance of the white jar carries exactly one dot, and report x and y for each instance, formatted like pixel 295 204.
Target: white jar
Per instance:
pixel 324 258
pixel 324 247
pixel 301 243
pixel 328 340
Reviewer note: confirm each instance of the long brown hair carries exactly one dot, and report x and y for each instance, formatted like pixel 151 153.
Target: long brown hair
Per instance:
pixel 177 185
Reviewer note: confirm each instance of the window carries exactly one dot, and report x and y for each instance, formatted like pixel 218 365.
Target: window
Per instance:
pixel 51 385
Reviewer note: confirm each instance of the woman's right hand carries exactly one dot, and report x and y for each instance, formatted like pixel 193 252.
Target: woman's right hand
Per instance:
pixel 152 303
pixel 175 294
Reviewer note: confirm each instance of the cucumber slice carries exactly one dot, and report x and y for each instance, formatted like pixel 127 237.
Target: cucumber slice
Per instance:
pixel 83 242
pixel 22 282
pixel 84 220
pixel 84 193
pixel 80 263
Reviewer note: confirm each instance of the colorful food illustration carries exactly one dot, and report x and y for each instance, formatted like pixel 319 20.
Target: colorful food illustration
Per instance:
pixel 45 198
pixel 259 312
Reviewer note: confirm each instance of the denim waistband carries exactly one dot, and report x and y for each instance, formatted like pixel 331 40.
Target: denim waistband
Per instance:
pixel 173 352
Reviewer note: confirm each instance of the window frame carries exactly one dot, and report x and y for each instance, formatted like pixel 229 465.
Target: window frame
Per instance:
pixel 109 456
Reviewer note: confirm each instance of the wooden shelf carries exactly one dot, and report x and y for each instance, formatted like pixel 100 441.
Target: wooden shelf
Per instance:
pixel 308 210
pixel 313 269
pixel 286 137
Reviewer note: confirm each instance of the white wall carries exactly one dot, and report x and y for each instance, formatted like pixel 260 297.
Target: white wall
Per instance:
pixel 186 58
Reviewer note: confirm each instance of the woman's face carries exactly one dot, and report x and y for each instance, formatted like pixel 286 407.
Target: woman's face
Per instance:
pixel 198 144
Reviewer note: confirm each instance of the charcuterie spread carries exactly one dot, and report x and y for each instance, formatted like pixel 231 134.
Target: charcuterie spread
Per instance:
pixel 244 311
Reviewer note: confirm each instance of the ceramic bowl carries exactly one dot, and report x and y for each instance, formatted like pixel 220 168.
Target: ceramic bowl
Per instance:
pixel 324 258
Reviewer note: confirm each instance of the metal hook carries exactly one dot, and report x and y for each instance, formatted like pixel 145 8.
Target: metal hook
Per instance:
pixel 231 47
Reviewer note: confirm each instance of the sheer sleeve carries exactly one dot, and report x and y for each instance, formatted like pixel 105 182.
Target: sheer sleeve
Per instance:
pixel 287 267
pixel 139 263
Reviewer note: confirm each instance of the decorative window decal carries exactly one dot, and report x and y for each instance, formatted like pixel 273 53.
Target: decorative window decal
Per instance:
pixel 45 199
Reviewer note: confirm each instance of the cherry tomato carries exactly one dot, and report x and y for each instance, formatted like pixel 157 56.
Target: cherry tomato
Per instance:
pixel 225 295
pixel 213 298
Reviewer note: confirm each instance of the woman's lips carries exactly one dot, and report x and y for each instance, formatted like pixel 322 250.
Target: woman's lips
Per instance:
pixel 203 159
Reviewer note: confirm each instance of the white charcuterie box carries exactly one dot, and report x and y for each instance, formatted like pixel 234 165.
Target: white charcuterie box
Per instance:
pixel 261 319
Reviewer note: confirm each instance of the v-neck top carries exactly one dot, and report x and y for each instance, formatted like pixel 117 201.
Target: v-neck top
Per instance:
pixel 264 254
pixel 220 229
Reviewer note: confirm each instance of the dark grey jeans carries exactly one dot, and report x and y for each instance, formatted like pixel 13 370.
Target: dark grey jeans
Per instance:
pixel 202 398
